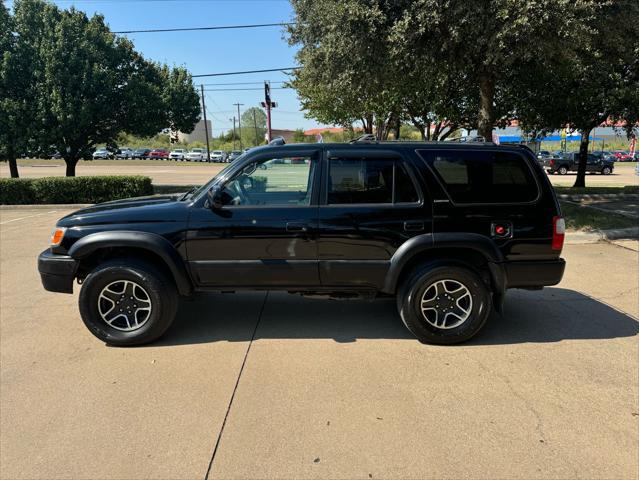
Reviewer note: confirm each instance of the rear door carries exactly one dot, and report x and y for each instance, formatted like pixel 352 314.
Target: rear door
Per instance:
pixel 496 193
pixel 371 202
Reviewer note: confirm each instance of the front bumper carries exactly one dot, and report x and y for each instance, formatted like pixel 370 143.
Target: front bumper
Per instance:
pixel 57 271
pixel 534 274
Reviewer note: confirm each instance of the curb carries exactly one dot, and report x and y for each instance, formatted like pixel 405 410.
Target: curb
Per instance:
pixel 574 237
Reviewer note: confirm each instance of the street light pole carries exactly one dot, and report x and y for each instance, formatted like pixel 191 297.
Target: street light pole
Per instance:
pixel 239 122
pixel 233 133
pixel 206 127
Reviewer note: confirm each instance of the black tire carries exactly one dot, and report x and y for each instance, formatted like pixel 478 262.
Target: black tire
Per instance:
pixel 606 171
pixel 562 170
pixel 410 295
pixel 156 285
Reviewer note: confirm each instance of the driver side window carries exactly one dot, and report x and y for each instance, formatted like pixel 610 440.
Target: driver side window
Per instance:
pixel 282 181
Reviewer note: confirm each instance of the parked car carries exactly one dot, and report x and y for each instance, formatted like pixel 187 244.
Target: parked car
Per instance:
pixel 622 156
pixel 124 153
pixel 177 154
pixel 544 154
pixel 196 155
pixel 462 217
pixel 595 164
pixel 141 153
pixel 218 156
pixel 234 155
pixel 102 153
pixel 159 154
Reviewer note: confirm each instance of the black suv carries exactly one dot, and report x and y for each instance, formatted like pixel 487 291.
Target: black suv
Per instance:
pixel 595 163
pixel 446 228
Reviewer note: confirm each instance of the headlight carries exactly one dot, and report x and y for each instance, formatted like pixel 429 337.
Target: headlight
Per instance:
pixel 57 235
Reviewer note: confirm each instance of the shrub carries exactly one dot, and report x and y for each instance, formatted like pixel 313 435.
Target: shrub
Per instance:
pixel 72 189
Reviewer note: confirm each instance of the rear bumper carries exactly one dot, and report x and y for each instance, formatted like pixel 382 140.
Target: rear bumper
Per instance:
pixel 534 274
pixel 57 272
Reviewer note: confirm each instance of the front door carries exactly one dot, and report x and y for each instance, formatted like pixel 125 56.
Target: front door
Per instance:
pixel 265 235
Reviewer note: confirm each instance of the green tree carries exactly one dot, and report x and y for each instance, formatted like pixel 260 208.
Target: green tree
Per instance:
pixel 345 76
pixel 20 73
pixel 253 125
pixel 594 81
pixel 482 42
pixel 91 86
pixel 181 101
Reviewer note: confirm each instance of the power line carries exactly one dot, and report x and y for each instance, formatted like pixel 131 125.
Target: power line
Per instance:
pixel 243 89
pixel 240 83
pixel 192 29
pixel 245 71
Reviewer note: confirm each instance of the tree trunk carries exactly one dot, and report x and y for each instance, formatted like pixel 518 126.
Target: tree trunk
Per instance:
pixel 486 109
pixel 71 163
pixel 13 163
pixel 451 129
pixel 580 181
pixel 398 126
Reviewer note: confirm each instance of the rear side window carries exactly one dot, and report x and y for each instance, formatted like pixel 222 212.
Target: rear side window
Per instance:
pixel 485 177
pixel 361 181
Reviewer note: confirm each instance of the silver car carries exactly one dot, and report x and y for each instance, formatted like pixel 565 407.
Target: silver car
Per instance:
pixel 196 155
pixel 177 154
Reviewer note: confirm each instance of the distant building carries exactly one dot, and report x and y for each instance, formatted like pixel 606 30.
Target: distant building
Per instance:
pixel 197 135
pixel 286 134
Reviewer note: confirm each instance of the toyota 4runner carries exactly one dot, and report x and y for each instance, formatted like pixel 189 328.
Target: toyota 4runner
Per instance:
pixel 446 228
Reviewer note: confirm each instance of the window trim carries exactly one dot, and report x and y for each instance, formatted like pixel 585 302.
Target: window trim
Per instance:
pixel 428 157
pixel 396 157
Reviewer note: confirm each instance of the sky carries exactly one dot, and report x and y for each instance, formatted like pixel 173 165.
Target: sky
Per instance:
pixel 214 51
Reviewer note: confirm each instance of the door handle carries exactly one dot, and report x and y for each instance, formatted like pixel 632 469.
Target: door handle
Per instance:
pixel 296 227
pixel 415 226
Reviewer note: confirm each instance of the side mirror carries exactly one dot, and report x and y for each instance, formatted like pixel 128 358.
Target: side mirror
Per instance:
pixel 214 197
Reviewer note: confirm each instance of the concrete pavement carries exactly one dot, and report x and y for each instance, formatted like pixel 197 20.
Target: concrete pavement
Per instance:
pixel 326 389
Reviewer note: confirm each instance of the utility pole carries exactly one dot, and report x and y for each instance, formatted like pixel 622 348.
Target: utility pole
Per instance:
pixel 239 123
pixel 233 133
pixel 257 142
pixel 267 104
pixel 206 127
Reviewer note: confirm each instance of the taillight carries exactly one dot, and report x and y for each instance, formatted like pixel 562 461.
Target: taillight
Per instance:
pixel 558 233
pixel 551 163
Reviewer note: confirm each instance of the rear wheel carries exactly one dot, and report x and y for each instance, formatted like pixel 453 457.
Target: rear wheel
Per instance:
pixel 444 304
pixel 127 302
pixel 562 170
pixel 606 171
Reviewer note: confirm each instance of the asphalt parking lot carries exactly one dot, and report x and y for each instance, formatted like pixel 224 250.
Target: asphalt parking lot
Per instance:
pixel 326 389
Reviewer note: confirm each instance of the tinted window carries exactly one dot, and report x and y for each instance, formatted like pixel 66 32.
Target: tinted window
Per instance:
pixel 485 177
pixel 360 180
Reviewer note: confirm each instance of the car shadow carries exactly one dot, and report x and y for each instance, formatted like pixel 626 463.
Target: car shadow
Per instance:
pixel 551 315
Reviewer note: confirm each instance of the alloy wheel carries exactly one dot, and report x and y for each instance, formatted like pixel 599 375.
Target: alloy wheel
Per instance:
pixel 124 305
pixel 446 304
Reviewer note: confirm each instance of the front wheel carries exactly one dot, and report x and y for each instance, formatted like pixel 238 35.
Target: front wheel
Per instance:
pixel 127 302
pixel 444 304
pixel 606 171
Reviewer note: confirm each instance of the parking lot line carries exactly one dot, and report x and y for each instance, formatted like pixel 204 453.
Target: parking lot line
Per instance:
pixel 28 216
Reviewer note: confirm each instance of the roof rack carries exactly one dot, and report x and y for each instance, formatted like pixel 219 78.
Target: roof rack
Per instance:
pixel 474 138
pixel 366 138
pixel 277 141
